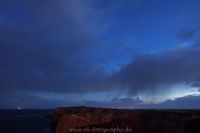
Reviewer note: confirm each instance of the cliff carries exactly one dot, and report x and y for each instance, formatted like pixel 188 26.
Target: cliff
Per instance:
pixel 101 120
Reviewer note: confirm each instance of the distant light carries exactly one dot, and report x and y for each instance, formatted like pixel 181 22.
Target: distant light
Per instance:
pixel 19 108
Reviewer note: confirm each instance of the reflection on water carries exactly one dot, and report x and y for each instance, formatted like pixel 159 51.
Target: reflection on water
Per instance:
pixel 24 121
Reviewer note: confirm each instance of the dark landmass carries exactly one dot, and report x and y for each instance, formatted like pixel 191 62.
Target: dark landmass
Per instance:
pixel 102 120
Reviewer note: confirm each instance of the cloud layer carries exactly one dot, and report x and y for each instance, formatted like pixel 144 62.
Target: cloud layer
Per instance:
pixel 76 47
pixel 159 70
pixel 54 45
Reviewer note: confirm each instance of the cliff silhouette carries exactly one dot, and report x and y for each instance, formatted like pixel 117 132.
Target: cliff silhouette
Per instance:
pixel 107 120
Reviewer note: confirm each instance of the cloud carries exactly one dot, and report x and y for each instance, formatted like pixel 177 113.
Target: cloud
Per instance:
pixel 65 47
pixel 118 103
pixel 54 45
pixel 58 47
pixel 187 102
pixel 188 34
pixel 126 99
pixel 158 71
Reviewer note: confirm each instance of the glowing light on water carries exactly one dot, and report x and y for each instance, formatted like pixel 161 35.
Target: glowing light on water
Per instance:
pixel 19 108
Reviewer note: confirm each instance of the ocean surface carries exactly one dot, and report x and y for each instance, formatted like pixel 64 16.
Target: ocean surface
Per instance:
pixel 25 121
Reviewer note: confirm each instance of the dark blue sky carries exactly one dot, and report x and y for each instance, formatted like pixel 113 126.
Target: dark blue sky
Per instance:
pixel 110 53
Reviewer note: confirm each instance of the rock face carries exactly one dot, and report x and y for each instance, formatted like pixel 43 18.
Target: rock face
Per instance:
pixel 101 120
pixel 64 119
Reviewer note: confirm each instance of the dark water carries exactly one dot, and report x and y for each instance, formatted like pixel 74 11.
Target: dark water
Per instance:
pixel 25 121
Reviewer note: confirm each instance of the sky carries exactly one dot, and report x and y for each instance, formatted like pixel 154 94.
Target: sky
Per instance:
pixel 105 53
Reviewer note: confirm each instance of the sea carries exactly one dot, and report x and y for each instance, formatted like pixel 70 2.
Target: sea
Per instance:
pixel 25 121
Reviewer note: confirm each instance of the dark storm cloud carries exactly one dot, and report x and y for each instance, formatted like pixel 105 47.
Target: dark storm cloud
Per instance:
pixel 56 46
pixel 61 47
pixel 160 70
pixel 132 100
pixel 52 46
pixel 189 34
pixel 187 102
pixel 118 103
pixel 196 84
